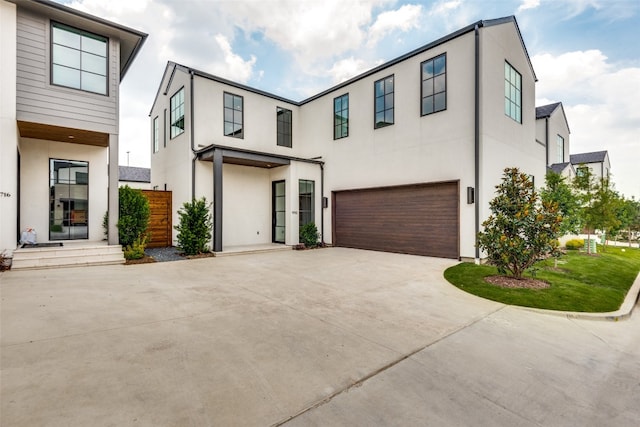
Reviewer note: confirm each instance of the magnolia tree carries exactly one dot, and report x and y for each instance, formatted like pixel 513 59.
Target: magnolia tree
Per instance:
pixel 521 229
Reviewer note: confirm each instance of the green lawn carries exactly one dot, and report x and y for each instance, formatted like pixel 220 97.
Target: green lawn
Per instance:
pixel 581 282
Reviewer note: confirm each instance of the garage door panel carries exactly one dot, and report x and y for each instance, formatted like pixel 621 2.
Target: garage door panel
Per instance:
pixel 417 219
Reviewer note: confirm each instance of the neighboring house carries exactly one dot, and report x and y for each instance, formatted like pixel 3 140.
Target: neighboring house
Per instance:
pixel 135 177
pixel 402 158
pixel 552 131
pixel 597 161
pixel 60 76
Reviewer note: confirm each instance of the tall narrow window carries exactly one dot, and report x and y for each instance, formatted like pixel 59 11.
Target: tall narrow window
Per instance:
pixel 68 199
pixel 156 135
pixel 177 113
pixel 434 85
pixel 560 148
pixel 283 119
pixel 233 115
pixel 512 93
pixel 306 196
pixel 383 90
pixel 341 116
pixel 78 59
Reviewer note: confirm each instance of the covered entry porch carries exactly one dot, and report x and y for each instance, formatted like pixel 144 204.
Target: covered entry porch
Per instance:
pixel 257 197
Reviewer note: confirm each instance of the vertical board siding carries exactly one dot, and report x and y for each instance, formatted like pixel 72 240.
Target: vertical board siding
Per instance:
pixel 39 101
pixel 160 220
pixel 415 219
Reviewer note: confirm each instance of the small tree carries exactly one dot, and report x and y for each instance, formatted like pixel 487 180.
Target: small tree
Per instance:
pixel 605 208
pixel 521 229
pixel 194 229
pixel 585 185
pixel 309 235
pixel 558 191
pixel 134 215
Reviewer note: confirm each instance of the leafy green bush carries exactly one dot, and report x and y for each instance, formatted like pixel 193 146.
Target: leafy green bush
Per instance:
pixel 574 244
pixel 105 225
pixel 134 215
pixel 309 235
pixel 136 249
pixel 194 229
pixel 55 228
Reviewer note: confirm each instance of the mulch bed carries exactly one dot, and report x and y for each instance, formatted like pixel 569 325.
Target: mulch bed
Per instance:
pixel 513 283
pixel 145 260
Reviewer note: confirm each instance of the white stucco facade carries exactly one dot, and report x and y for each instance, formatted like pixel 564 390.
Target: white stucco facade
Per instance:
pixel 415 149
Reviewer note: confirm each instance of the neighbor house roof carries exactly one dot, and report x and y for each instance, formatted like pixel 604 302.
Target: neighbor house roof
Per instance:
pixel 559 167
pixel 131 40
pixel 593 157
pixel 134 174
pixel 545 111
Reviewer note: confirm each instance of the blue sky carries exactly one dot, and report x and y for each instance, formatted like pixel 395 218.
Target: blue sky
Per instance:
pixel 586 53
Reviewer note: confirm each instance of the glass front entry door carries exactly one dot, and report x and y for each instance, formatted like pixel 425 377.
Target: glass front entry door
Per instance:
pixel 278 220
pixel 68 199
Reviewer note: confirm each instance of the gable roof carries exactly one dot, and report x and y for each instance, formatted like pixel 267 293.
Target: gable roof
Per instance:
pixel 134 174
pixel 546 111
pixel 593 157
pixel 131 40
pixel 558 167
pixel 469 28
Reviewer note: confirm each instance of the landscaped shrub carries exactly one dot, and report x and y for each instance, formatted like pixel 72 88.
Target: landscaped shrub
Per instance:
pixel 309 235
pixel 134 215
pixel 55 228
pixel 574 244
pixel 105 225
pixel 136 249
pixel 194 229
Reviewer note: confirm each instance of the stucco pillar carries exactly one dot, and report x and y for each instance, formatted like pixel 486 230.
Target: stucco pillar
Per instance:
pixel 113 189
pixel 217 200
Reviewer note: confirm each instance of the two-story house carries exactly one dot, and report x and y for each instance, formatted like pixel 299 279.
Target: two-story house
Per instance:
pixel 597 161
pixel 60 76
pixel 404 157
pixel 552 130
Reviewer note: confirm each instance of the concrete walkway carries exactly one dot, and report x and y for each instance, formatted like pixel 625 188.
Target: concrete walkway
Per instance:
pixel 323 337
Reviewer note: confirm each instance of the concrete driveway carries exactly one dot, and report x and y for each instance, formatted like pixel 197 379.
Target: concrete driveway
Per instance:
pixel 325 337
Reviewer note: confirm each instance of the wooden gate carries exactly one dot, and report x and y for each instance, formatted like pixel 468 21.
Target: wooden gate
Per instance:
pixel 160 224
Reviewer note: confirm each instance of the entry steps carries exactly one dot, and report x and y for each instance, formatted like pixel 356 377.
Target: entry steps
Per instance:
pixel 67 256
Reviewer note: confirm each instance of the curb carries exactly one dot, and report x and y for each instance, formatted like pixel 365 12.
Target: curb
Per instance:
pixel 624 312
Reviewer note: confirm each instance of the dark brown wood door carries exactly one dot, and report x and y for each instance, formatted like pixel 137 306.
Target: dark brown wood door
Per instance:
pixel 160 223
pixel 419 219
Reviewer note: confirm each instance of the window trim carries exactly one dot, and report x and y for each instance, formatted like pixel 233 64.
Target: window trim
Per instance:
pixel 509 98
pixel 224 121
pixel 560 153
pixel 171 121
pixel 312 205
pixel 288 126
pixel 422 80
pixel 375 112
pixel 343 120
pixel 156 134
pixel 72 29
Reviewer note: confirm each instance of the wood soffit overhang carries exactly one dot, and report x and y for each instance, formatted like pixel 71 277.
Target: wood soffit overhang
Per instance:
pixel 62 134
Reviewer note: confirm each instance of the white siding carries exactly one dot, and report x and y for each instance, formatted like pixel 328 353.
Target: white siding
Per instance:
pixel 41 102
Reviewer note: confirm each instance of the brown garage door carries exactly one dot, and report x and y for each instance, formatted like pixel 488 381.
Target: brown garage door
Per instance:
pixel 419 219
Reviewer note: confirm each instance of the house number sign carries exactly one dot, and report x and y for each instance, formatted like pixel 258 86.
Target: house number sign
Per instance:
pixel 3 194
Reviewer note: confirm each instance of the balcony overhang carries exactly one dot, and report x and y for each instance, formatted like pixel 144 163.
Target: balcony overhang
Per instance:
pixel 62 134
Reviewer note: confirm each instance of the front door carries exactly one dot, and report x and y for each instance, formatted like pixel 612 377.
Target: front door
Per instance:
pixel 68 199
pixel 278 217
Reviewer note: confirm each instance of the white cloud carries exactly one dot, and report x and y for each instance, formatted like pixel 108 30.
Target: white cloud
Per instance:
pixel 528 4
pixel 602 103
pixel 349 67
pixel 403 19
pixel 233 66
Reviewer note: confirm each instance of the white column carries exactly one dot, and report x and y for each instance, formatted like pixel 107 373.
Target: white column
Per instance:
pixel 113 189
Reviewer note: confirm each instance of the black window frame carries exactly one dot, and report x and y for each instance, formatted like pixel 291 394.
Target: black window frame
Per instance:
pixel 156 134
pixel 81 33
pixel 234 134
pixel 507 96
pixel 284 127
pixel 175 122
pixel 341 117
pixel 558 139
pixel 385 93
pixel 432 81
pixel 306 216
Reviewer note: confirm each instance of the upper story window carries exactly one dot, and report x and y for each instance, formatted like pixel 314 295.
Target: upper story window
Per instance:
pixel 383 93
pixel 177 113
pixel 233 115
pixel 512 93
pixel 582 171
pixel 156 135
pixel 78 59
pixel 434 85
pixel 560 148
pixel 284 126
pixel 341 116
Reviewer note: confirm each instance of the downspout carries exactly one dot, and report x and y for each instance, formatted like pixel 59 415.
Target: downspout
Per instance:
pixel 477 142
pixel 546 139
pixel 192 138
pixel 322 202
